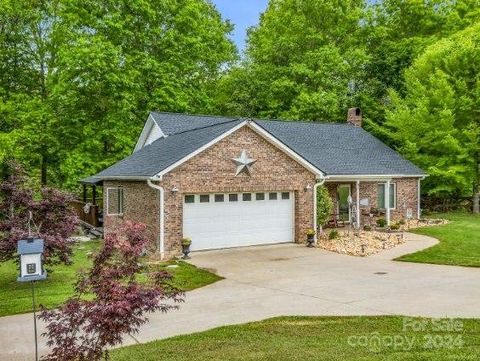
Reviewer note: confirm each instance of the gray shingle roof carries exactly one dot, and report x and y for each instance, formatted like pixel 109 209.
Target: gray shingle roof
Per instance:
pixel 336 149
pixel 340 149
pixel 173 123
pixel 162 153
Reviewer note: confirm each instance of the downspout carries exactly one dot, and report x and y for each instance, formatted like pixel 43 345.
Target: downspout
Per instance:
pixel 162 215
pixel 315 188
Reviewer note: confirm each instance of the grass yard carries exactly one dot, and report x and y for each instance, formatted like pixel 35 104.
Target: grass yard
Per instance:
pixel 16 298
pixel 315 338
pixel 459 242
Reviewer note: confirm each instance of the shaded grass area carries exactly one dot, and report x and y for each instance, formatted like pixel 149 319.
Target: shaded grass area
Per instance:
pixel 15 297
pixel 459 241
pixel 316 338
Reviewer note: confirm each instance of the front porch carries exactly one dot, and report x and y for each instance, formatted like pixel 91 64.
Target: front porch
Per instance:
pixel 361 201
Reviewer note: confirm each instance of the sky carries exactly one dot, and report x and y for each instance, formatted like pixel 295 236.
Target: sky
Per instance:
pixel 243 14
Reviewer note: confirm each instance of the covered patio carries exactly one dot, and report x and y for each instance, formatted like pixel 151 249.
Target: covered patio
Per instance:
pixel 360 201
pixel 89 207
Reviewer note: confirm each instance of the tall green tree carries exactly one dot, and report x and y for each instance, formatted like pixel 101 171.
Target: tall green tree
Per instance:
pixel 302 61
pixel 78 77
pixel 395 33
pixel 436 123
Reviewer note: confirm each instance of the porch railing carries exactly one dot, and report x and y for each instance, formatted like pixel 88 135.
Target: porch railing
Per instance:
pixel 92 216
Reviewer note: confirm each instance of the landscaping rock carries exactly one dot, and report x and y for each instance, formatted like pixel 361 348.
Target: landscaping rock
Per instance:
pixel 80 239
pixel 363 243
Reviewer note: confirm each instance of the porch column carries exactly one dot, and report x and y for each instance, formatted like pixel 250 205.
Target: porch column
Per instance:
pixel 387 202
pixel 358 204
pixel 94 195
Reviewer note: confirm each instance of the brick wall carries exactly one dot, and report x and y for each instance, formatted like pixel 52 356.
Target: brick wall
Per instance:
pixel 212 171
pixel 140 204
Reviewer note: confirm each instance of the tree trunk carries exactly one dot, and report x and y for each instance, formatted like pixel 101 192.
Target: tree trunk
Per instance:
pixel 44 170
pixel 476 201
pixel 476 189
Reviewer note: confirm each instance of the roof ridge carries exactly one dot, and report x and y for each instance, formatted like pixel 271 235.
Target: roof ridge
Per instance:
pixel 204 127
pixel 313 122
pixel 196 115
pixel 316 122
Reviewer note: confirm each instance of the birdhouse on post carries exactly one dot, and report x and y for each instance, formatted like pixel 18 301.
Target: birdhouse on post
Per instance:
pixel 31 265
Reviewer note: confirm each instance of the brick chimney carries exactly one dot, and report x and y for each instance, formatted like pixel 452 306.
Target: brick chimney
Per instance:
pixel 354 117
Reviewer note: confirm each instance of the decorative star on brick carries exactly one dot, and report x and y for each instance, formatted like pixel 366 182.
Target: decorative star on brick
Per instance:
pixel 243 163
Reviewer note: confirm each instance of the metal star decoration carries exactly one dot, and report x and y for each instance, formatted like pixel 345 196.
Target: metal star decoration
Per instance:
pixel 243 163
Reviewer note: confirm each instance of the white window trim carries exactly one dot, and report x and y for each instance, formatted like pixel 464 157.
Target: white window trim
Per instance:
pixel 108 203
pixel 394 194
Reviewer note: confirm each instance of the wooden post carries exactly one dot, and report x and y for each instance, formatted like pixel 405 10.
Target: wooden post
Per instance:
pixel 84 193
pixel 94 195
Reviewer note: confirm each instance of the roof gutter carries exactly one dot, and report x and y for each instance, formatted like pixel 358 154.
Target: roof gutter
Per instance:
pixel 162 214
pixel 347 177
pixel 123 177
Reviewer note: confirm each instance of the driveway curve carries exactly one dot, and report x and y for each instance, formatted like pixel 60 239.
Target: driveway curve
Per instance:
pixel 290 279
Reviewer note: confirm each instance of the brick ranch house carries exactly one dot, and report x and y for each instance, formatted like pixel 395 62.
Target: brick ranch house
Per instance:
pixel 230 182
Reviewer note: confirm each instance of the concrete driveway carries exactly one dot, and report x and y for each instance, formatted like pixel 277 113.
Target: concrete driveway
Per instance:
pixel 262 282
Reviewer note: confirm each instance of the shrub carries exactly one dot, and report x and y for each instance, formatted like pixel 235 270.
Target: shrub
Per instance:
pixel 186 242
pixel 324 205
pixel 333 234
pixel 401 222
pixel 381 222
pixel 395 227
pixel 110 300
pixel 51 213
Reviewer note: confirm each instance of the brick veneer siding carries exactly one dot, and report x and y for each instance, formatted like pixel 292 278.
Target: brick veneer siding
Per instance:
pixel 212 171
pixel 140 204
pixel 407 196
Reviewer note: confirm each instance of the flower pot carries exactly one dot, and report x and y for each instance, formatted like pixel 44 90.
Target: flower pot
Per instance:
pixel 185 251
pixel 310 241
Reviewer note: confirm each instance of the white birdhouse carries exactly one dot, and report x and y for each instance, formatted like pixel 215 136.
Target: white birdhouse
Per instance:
pixel 31 267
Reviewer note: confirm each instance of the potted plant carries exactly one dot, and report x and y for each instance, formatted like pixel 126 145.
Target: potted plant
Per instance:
pixel 310 237
pixel 186 242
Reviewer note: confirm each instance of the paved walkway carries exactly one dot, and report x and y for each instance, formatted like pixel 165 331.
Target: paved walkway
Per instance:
pixel 262 282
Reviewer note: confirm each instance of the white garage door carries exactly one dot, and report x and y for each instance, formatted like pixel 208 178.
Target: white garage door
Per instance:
pixel 238 219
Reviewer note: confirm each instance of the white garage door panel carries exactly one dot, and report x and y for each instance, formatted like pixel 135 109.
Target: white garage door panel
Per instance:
pixel 242 223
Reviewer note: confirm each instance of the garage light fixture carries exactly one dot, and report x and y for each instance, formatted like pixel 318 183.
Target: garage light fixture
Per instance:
pixel 174 189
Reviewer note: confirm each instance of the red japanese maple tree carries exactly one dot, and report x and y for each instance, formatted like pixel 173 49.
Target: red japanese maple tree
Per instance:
pixel 85 328
pixel 55 220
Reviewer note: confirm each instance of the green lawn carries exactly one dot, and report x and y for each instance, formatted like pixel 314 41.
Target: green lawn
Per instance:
pixel 459 242
pixel 16 298
pixel 314 338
